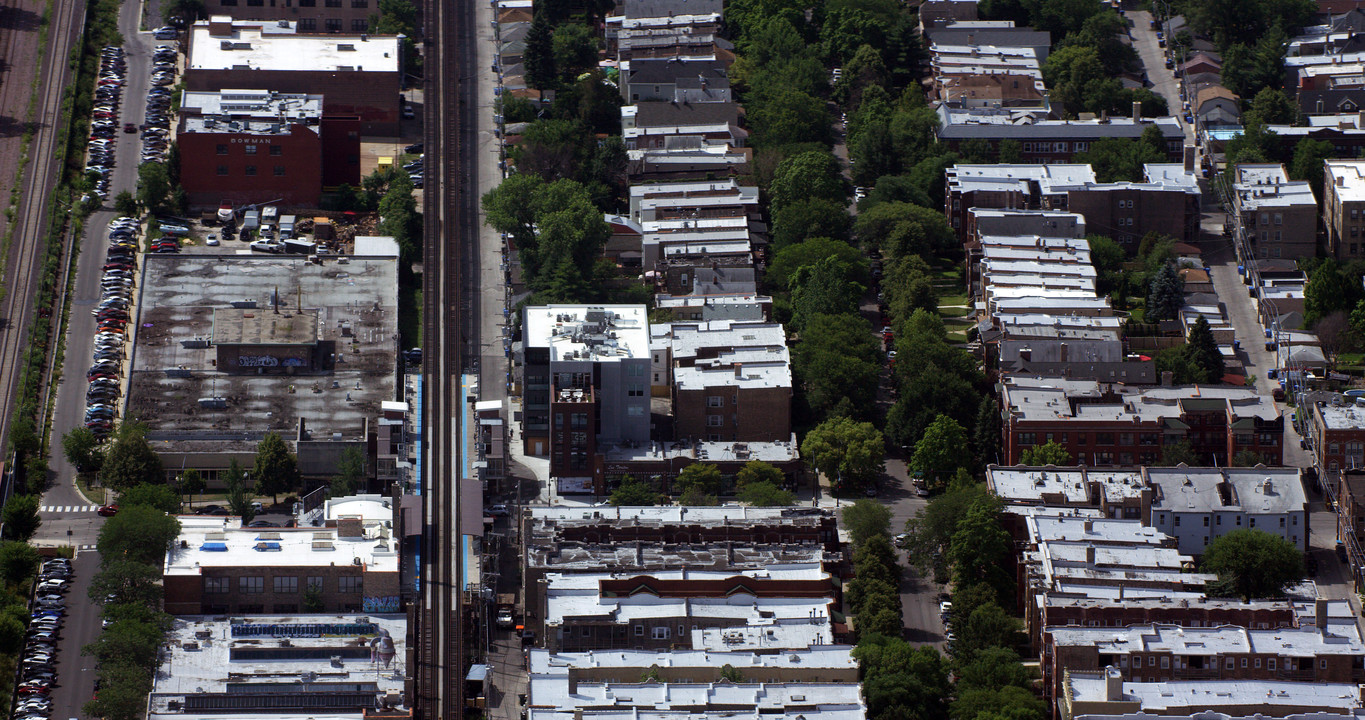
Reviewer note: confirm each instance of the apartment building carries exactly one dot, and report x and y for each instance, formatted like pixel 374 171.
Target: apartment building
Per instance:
pixel 1127 212
pixel 1101 426
pixel 1007 187
pixel 672 524
pixel 731 381
pixel 661 79
pixel 1274 217
pixel 655 125
pixel 1343 208
pixel 254 146
pixel 359 75
pixel 217 566
pixel 586 377
pixel 819 663
pixel 1338 437
pixel 347 667
pixel 308 16
pixel 1317 653
pixel 1107 694
pixel 1199 505
pixel 1051 141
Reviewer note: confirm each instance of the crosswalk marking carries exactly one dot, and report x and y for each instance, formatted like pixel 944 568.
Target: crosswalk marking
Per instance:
pixel 68 508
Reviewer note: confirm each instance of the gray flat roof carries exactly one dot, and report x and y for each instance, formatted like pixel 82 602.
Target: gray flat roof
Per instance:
pixel 355 309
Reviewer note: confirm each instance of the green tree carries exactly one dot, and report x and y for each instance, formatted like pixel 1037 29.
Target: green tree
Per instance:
pixel 184 11
pixel 1108 259
pixel 125 204
pixel 1329 288
pixel 809 175
pixel 127 581
pixel 808 218
pixel 239 492
pixel 1120 159
pixel 350 473
pixel 763 493
pixel 757 471
pixel 696 497
pixel 901 680
pixel 20 516
pixel 1247 458
pixel 81 448
pixel 123 694
pixel 1252 563
pixel 837 363
pixel 130 460
pixel 994 667
pixel 276 469
pixel 846 450
pixel 987 626
pixel 704 477
pixel 1309 155
pixel 139 534
pixel 1203 351
pixel 1175 453
pixel 1272 107
pixel 941 451
pixel 981 549
pixel 11 633
pixel 731 673
pixel 865 519
pixel 18 562
pixel 823 289
pixel 574 48
pixel 127 641
pixel 901 229
pixel 399 217
pixel 1049 453
pixel 539 56
pixel 191 482
pixel 930 532
pixel 159 497
pixel 1011 701
pixel 153 187
pixel 1166 295
pixel 634 493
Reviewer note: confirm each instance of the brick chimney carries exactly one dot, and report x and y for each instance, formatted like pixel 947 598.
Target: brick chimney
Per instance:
pixel 1320 613
pixel 350 527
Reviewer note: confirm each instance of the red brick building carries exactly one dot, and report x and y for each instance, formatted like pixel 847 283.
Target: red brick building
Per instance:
pixel 359 75
pixel 1100 427
pixel 250 146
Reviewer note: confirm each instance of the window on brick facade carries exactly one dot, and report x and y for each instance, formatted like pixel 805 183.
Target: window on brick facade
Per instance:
pixel 360 25
pixel 217 585
pixel 228 3
pixel 660 633
pixel 276 150
pixel 639 631
pixel 255 3
pixel 286 584
pixel 221 149
pixel 350 584
pixel 1270 663
pixel 715 420
pixel 249 149
pixel 715 401
pixel 307 25
pixel 251 585
pixel 332 25
pixel 279 171
pixel 315 583
pixel 250 170
pixel 222 170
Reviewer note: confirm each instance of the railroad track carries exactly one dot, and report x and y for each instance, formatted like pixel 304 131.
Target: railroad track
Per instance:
pixel 447 249
pixel 23 266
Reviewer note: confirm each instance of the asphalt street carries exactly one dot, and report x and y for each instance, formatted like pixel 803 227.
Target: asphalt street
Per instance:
pixel 80 627
pixel 1153 58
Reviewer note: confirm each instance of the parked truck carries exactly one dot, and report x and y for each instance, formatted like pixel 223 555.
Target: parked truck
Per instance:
pixel 287 226
pixel 269 215
pixel 251 220
pixel 302 247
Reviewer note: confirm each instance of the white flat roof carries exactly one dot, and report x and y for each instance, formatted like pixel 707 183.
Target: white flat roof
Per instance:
pixel 833 657
pixel 1259 490
pixel 1227 639
pixel 1193 695
pixel 207 654
pixel 837 712
pixel 553 692
pixel 1062 484
pixel 248 48
pixel 569 604
pixel 763 639
pixel 597 333
pixel 208 541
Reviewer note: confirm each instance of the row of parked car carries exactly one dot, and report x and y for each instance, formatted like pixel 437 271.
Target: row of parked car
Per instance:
pixel 38 662
pixel 157 128
pixel 104 118
pixel 116 286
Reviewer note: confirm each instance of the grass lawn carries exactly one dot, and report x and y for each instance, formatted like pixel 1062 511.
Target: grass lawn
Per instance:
pixel 410 316
pixel 952 300
pixel 953 312
pixel 1350 359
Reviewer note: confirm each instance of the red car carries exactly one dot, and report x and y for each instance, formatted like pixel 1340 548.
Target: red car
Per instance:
pixel 130 128
pixel 108 510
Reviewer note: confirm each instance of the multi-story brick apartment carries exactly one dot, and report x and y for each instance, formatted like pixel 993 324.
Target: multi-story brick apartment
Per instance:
pixel 1338 433
pixel 586 377
pixel 685 525
pixel 359 75
pixel 219 567
pixel 731 381
pixel 1343 208
pixel 1275 217
pixel 820 663
pixel 1051 141
pixel 1322 652
pixel 1105 695
pixel 1100 426
pixel 1351 520
pixel 308 16
pixel 254 146
pixel 1166 202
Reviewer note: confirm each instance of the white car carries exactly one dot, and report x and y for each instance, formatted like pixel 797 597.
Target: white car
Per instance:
pixel 270 247
pixel 211 241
